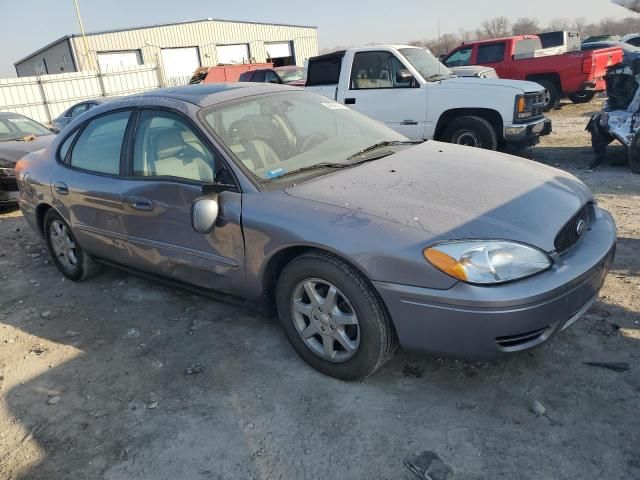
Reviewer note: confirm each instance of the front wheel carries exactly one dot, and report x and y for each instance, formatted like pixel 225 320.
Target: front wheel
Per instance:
pixel 582 97
pixel 552 94
pixel 333 318
pixel 72 261
pixel 472 132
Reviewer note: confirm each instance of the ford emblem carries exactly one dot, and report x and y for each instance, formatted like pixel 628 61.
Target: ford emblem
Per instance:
pixel 581 227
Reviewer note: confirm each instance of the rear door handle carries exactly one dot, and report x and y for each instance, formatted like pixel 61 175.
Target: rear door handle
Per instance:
pixel 140 203
pixel 61 188
pixel 349 101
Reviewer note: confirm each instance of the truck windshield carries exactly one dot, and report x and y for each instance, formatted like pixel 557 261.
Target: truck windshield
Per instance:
pixel 426 64
pixel 13 127
pixel 279 134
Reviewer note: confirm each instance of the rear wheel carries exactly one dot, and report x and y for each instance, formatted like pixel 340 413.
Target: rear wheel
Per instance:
pixel 472 131
pixel 552 94
pixel 333 318
pixel 582 97
pixel 72 261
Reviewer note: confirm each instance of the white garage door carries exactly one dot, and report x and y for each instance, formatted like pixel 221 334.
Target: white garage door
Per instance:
pixel 278 50
pixel 231 54
pixel 180 62
pixel 119 60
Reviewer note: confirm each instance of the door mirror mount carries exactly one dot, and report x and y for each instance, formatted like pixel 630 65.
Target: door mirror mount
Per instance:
pixel 204 214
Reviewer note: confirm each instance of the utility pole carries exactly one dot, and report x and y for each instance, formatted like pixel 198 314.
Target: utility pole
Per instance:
pixel 84 36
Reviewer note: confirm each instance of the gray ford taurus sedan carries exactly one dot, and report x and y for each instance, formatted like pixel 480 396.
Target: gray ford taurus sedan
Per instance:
pixel 360 239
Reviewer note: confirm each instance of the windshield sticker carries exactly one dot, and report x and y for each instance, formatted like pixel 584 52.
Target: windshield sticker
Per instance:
pixel 276 172
pixel 335 106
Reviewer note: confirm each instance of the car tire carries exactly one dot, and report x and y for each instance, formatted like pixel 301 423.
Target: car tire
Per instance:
pixel 65 251
pixel 634 154
pixel 552 97
pixel 582 97
pixel 600 139
pixel 472 131
pixel 371 340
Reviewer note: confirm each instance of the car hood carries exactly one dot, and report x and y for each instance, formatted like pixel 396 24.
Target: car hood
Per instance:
pixel 455 192
pixel 525 87
pixel 14 150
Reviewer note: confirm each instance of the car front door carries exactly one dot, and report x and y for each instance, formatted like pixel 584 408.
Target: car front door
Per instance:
pixel 87 186
pixel 170 164
pixel 493 55
pixel 375 91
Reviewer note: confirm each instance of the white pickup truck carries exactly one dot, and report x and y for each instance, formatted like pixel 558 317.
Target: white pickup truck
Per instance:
pixel 409 90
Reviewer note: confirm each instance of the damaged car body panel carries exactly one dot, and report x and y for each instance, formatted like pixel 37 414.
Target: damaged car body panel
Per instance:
pixel 619 118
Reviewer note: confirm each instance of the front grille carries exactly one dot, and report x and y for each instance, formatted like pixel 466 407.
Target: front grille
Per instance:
pixel 569 235
pixel 537 104
pixel 523 340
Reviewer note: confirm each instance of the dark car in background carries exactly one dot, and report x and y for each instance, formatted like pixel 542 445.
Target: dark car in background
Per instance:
pixel 360 238
pixel 19 136
pixel 75 111
pixel 290 75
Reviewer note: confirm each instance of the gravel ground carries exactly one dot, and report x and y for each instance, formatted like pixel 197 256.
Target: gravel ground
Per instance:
pixel 93 380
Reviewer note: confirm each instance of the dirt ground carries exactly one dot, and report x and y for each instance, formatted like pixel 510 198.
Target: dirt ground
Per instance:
pixel 93 382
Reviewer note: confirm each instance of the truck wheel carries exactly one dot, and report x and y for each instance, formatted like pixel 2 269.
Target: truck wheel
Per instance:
pixel 582 97
pixel 600 139
pixel 471 132
pixel 634 154
pixel 552 96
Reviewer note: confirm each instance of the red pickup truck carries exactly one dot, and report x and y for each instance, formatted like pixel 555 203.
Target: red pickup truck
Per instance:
pixel 577 75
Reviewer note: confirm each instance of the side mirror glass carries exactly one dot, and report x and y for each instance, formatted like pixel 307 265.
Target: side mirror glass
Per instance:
pixel 404 76
pixel 204 214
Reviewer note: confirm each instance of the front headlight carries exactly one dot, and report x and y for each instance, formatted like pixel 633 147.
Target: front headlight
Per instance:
pixel 487 262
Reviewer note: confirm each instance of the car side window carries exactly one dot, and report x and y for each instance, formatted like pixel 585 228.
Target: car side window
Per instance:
pixel 271 77
pixel 491 53
pixel 258 76
pixel 99 146
pixel 376 70
pixel 66 145
pixel 79 109
pixel 167 146
pixel 461 58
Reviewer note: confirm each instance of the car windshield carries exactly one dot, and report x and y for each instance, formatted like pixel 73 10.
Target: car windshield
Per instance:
pixel 426 64
pixel 276 134
pixel 13 127
pixel 292 75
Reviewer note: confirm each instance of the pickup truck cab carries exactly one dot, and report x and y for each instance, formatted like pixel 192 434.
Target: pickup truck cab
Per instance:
pixel 409 90
pixel 577 75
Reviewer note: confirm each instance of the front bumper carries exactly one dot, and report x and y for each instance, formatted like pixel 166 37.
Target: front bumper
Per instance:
pixel 527 132
pixel 475 322
pixel 8 189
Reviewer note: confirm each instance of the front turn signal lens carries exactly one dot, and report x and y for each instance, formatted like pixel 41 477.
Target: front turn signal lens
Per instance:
pixel 444 262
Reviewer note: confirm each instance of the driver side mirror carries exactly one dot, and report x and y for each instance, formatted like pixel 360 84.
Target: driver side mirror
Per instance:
pixel 204 214
pixel 55 130
pixel 403 76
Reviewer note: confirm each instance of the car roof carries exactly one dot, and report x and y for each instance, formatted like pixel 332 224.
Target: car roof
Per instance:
pixel 208 94
pixel 10 115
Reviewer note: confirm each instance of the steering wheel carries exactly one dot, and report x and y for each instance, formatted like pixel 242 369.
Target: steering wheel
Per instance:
pixel 314 140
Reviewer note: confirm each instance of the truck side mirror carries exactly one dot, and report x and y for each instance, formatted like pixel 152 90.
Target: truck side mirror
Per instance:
pixel 204 214
pixel 404 76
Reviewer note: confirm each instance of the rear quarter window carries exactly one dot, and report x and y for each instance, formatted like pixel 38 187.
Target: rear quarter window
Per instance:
pixel 324 70
pixel 491 53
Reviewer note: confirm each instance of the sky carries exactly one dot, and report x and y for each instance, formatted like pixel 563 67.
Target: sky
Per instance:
pixel 28 25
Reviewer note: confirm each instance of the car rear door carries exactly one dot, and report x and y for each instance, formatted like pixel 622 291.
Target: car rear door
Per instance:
pixel 87 186
pixel 170 163
pixel 374 91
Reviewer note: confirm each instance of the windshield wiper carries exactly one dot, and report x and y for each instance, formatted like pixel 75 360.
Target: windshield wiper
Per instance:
pixel 317 166
pixel 438 76
pixel 381 145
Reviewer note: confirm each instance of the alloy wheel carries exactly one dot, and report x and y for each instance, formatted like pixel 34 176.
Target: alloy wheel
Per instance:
pixel 325 320
pixel 468 138
pixel 63 245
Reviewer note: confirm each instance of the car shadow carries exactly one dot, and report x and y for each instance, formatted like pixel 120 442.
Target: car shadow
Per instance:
pixel 111 391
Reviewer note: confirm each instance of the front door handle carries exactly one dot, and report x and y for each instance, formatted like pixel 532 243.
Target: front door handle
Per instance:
pixel 140 203
pixel 349 101
pixel 61 188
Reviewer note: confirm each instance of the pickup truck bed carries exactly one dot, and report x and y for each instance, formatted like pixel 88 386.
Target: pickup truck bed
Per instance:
pixel 577 75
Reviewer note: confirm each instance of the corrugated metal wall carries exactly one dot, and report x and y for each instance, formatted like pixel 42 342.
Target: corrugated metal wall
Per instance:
pixel 45 97
pixel 202 34
pixel 57 58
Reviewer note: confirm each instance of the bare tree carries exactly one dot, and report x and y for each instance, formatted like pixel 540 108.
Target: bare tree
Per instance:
pixel 559 24
pixel 579 25
pixel 525 26
pixel 495 27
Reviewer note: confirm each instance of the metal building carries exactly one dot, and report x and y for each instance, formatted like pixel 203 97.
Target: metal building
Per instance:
pixel 177 48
